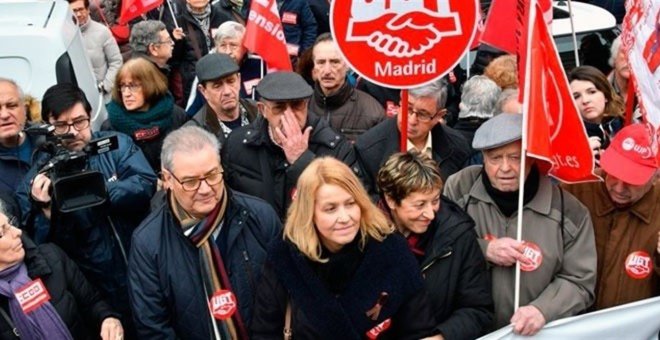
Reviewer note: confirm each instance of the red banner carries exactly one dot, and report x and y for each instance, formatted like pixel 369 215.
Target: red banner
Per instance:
pixel 264 35
pixel 503 21
pixel 131 9
pixel 555 132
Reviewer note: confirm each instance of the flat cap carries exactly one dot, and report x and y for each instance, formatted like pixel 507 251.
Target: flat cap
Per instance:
pixel 215 66
pixel 282 86
pixel 500 130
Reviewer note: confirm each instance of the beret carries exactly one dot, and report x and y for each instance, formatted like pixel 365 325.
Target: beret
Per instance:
pixel 500 130
pixel 283 86
pixel 215 66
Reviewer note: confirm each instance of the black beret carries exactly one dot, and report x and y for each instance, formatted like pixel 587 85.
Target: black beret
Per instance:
pixel 283 86
pixel 215 66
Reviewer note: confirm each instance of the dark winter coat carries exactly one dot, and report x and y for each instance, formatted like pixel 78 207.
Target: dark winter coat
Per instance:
pixel 209 122
pixel 165 282
pixel 12 167
pixel 76 301
pixel 298 23
pixel 255 165
pixel 317 313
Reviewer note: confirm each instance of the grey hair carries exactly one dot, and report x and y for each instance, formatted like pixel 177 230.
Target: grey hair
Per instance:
pixel 614 50
pixel 21 95
pixel 479 98
pixel 3 209
pixel 437 89
pixel 145 33
pixel 506 96
pixel 229 30
pixel 187 139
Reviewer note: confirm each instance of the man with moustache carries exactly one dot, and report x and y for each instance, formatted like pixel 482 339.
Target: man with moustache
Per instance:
pixel 266 158
pixel 96 238
pixel 624 210
pixel 348 110
pixel 557 256
pixel 219 83
pixel 203 241
pixel 15 146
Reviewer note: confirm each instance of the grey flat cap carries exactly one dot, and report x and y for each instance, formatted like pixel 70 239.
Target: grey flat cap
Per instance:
pixel 283 86
pixel 500 130
pixel 215 66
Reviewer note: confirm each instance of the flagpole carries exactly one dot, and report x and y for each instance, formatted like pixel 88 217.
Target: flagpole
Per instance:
pixel 523 152
pixel 575 46
pixel 169 6
pixel 403 142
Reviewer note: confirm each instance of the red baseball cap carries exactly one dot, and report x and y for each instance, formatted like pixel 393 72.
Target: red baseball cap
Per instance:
pixel 631 155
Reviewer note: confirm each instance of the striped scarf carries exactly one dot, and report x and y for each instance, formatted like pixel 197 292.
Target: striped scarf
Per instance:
pixel 214 275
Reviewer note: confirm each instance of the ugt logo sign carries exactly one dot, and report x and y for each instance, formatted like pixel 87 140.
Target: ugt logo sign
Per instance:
pixel 403 43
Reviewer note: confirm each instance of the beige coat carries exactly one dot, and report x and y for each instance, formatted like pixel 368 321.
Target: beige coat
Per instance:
pixel 563 285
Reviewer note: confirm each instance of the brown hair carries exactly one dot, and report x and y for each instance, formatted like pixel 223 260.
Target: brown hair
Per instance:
pixel 406 173
pixel 614 106
pixel 153 82
pixel 300 228
pixel 503 70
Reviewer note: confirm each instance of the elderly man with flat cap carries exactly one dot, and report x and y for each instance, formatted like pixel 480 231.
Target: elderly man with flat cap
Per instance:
pixel 557 255
pixel 626 217
pixel 220 84
pixel 265 158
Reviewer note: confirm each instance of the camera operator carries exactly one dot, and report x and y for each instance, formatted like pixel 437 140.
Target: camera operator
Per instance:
pixel 97 237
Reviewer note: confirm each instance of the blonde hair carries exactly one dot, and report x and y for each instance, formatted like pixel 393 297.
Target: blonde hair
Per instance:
pixel 503 70
pixel 300 228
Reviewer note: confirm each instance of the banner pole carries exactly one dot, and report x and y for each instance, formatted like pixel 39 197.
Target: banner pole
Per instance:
pixel 403 142
pixel 169 6
pixel 575 46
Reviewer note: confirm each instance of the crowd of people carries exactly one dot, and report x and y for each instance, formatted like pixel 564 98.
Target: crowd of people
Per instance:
pixel 242 205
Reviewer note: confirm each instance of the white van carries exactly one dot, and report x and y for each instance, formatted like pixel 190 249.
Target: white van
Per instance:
pixel 41 45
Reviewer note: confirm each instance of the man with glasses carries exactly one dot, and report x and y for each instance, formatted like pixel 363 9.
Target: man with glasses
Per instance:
pixel 425 131
pixel 266 158
pixel 203 247
pixel 96 238
pixel 150 40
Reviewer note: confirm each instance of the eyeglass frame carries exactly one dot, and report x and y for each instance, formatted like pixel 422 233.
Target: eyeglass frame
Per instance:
pixel 199 180
pixel 423 118
pixel 167 42
pixel 69 125
pixel 130 87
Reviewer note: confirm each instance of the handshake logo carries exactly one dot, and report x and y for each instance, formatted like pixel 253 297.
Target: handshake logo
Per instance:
pixel 402 28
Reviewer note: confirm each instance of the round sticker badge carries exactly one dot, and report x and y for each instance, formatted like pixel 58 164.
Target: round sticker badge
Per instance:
pixel 533 252
pixel 638 265
pixel 223 304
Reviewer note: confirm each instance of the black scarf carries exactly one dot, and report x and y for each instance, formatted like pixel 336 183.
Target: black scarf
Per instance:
pixel 341 266
pixel 508 201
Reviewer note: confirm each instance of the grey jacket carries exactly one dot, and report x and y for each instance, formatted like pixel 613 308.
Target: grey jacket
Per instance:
pixel 102 52
pixel 563 285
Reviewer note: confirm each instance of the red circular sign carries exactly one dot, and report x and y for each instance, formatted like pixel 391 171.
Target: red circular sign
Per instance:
pixel 223 304
pixel 534 254
pixel 638 265
pixel 403 44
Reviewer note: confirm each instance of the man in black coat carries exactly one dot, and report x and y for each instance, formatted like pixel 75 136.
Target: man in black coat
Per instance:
pixel 266 158
pixel 426 134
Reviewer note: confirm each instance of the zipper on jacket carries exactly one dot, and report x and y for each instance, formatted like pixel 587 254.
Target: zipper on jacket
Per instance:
pixel 248 269
pixel 436 259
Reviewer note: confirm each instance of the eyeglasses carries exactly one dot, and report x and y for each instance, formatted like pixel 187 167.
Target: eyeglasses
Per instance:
pixel 193 184
pixel 229 46
pixel 422 116
pixel 4 229
pixel 64 127
pixel 295 105
pixel 166 42
pixel 129 87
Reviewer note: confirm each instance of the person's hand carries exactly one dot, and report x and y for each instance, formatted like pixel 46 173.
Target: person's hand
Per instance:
pixel 111 329
pixel 527 320
pixel 292 140
pixel 505 252
pixel 595 146
pixel 178 34
pixel 40 188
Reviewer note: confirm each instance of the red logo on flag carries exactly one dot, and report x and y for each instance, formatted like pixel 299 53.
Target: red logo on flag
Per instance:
pixel 403 44
pixel 32 296
pixel 638 265
pixel 380 328
pixel 264 35
pixel 223 304
pixel 533 253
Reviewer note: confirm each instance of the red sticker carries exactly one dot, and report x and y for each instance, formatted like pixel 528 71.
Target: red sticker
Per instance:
pixel 534 254
pixel 223 304
pixel 289 18
pixel 32 296
pixel 638 265
pixel 380 328
pixel 490 237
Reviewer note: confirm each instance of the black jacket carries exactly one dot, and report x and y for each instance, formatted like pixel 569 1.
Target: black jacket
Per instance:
pixel 209 122
pixel 76 301
pixel 255 165
pixel 456 276
pixel 164 274
pixel 316 313
pixel 374 147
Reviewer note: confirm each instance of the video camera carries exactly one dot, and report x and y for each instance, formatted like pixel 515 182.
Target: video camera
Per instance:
pixel 74 186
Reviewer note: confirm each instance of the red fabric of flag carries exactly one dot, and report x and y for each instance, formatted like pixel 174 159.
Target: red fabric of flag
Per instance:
pixel 555 131
pixel 264 35
pixel 131 9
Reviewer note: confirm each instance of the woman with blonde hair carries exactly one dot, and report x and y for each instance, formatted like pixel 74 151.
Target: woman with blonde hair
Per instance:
pixel 339 271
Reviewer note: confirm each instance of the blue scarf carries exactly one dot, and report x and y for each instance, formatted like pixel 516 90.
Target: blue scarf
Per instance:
pixel 41 323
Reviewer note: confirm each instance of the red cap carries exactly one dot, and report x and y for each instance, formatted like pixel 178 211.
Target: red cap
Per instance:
pixel 631 155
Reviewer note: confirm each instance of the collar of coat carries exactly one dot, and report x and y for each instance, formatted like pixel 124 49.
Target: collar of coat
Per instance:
pixel 334 100
pixel 442 146
pixel 383 269
pixel 644 209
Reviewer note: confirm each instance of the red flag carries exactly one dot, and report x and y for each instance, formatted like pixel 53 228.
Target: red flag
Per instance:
pixel 555 131
pixel 264 35
pixel 131 9
pixel 503 19
pixel 481 25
